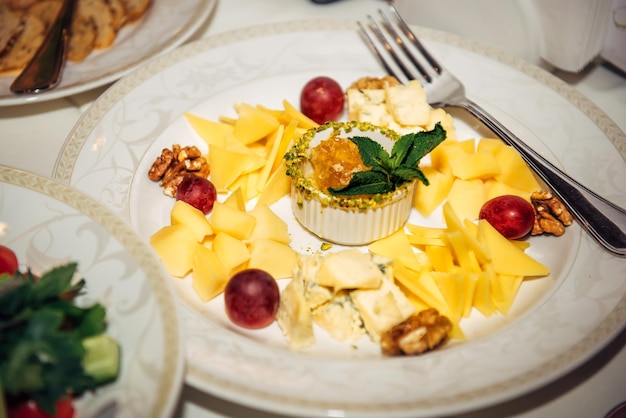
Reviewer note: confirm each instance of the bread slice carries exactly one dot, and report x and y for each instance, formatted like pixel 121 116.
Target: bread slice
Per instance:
pixel 82 39
pixel 100 14
pixel 25 46
pixel 118 10
pixel 20 4
pixel 10 27
pixel 46 11
pixel 136 8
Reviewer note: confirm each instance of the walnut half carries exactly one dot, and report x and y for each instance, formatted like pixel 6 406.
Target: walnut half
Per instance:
pixel 174 164
pixel 551 215
pixel 418 334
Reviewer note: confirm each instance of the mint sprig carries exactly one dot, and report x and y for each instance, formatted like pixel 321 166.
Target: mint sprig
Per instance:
pixel 389 171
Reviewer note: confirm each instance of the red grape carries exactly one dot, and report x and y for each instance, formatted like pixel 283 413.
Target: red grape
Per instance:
pixel 8 260
pixel 252 298
pixel 322 99
pixel 510 215
pixel 199 192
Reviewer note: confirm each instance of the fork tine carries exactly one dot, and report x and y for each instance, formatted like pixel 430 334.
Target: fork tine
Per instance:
pixel 394 34
pixel 370 44
pixel 411 36
pixel 383 41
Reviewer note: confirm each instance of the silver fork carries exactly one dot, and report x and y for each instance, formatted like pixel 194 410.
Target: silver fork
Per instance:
pixel 602 219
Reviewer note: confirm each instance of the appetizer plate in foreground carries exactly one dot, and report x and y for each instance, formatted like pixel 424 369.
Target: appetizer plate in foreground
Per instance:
pixel 48 224
pixel 165 25
pixel 556 322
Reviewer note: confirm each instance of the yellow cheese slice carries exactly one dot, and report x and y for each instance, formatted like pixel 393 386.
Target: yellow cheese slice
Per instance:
pixel 226 166
pixel 278 259
pixel 396 247
pixel 506 257
pixel 278 185
pixel 184 213
pixel 213 133
pixel 175 245
pixel 253 124
pixel 232 252
pixel 269 225
pixel 209 277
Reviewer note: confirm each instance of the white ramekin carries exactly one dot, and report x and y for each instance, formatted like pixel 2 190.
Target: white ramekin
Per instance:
pixel 345 220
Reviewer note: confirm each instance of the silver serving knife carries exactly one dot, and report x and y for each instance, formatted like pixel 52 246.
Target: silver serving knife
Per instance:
pixel 43 72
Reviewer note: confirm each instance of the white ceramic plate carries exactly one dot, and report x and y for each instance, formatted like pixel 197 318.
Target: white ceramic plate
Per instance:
pixel 556 323
pixel 167 24
pixel 47 223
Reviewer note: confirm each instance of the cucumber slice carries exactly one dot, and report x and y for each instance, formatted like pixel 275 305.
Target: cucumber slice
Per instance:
pixel 102 358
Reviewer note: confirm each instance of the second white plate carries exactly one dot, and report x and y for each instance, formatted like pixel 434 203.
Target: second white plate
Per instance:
pixel 166 24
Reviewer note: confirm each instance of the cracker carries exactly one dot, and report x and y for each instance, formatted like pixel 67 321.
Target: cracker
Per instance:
pixel 25 46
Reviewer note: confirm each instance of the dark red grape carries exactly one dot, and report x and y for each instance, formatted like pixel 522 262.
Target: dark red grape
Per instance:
pixel 199 192
pixel 322 99
pixel 251 298
pixel 510 215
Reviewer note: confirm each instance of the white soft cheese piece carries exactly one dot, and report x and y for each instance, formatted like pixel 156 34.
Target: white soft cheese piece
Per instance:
pixel 294 316
pixel 349 269
pixel 382 308
pixel 408 104
pixel 355 99
pixel 340 318
pixel 376 114
pixel 366 101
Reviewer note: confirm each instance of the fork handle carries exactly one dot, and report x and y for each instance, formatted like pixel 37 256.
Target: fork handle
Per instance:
pixel 603 220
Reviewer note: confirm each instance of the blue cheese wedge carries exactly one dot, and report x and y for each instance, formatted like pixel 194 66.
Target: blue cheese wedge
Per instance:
pixel 382 308
pixel 348 294
pixel 408 104
pixel 306 270
pixel 349 269
pixel 294 316
pixel 340 318
pixel 403 108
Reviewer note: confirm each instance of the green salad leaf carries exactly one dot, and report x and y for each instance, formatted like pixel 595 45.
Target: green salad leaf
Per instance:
pixel 387 172
pixel 41 334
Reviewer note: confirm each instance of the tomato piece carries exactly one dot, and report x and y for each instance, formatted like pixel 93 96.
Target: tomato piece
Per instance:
pixel 29 409
pixel 8 260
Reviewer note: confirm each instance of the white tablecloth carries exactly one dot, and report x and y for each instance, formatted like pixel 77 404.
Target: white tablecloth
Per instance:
pixel 31 137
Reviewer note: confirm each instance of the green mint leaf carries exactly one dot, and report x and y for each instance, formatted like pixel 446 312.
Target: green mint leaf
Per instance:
pixel 425 142
pixel 404 174
pixel 401 149
pixel 372 153
pixel 412 147
pixel 364 183
pixel 387 172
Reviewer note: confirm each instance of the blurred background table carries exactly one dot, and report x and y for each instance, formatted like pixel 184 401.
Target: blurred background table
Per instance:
pixel 31 137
